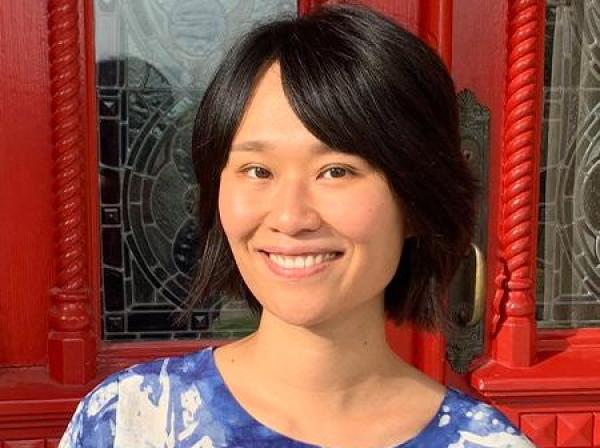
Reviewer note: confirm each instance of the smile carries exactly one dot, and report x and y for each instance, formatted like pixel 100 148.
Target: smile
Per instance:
pixel 293 267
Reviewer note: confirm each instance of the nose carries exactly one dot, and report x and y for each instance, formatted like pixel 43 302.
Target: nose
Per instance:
pixel 291 209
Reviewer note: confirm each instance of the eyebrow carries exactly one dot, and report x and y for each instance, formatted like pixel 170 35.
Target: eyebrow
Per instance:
pixel 262 145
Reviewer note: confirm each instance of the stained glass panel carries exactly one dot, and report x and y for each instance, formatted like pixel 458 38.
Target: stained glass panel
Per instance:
pixel 154 60
pixel 568 274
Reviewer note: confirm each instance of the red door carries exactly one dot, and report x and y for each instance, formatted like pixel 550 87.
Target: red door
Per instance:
pixel 536 351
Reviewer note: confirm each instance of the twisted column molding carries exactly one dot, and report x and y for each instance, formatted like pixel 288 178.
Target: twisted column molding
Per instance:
pixel 71 344
pixel 513 321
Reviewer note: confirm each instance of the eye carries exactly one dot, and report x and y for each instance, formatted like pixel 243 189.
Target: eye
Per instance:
pixel 260 172
pixel 338 171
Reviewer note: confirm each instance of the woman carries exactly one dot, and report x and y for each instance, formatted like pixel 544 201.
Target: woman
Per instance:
pixel 333 194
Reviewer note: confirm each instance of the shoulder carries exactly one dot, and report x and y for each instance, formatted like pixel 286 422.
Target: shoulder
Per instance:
pixel 141 392
pixel 465 421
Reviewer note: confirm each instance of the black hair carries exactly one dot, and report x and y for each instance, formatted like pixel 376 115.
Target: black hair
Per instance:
pixel 364 85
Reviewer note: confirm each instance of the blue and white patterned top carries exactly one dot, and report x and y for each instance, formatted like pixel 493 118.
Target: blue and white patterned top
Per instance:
pixel 183 402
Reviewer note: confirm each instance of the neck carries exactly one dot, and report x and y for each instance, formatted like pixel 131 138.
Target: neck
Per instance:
pixel 337 363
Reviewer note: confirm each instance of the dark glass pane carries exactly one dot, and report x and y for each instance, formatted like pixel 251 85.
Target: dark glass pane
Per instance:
pixel 113 290
pixel 110 186
pixel 115 323
pixel 109 142
pixel 111 246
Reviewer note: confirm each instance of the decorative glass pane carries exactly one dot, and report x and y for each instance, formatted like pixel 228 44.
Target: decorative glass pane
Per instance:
pixel 569 240
pixel 154 61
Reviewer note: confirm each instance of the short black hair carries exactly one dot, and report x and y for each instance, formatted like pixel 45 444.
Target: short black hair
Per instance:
pixel 364 85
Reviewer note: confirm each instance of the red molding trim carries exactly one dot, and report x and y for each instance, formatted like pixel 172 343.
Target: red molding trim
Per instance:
pixel 71 343
pixel 565 372
pixel 513 323
pixel 582 339
pixel 557 378
pixel 36 418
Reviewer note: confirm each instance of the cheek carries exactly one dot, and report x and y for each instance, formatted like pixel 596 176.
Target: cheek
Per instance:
pixel 367 217
pixel 236 210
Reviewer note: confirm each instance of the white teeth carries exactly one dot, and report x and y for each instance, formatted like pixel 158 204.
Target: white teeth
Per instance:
pixel 301 262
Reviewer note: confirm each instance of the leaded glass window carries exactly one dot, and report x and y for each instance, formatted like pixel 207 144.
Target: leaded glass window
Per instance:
pixel 569 240
pixel 154 60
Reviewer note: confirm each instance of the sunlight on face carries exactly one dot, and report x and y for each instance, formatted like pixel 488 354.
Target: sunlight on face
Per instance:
pixel 284 191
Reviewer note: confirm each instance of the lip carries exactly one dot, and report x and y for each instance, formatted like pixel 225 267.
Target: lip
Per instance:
pixel 298 251
pixel 294 274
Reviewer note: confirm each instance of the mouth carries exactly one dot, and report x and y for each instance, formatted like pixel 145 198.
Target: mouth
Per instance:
pixel 295 267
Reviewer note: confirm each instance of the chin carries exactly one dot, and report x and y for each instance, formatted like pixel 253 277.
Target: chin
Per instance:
pixel 300 317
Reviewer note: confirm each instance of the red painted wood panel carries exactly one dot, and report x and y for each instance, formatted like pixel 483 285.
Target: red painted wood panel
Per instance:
pixel 26 212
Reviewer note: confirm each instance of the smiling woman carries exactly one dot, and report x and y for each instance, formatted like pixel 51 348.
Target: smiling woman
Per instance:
pixel 358 85
pixel 296 212
pixel 333 195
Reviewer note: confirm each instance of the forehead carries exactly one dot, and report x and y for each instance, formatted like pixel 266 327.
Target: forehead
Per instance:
pixel 258 146
pixel 269 121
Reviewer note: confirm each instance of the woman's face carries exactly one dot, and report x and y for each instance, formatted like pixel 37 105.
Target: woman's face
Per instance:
pixel 288 203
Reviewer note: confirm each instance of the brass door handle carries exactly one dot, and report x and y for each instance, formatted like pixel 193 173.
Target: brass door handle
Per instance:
pixel 479 292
